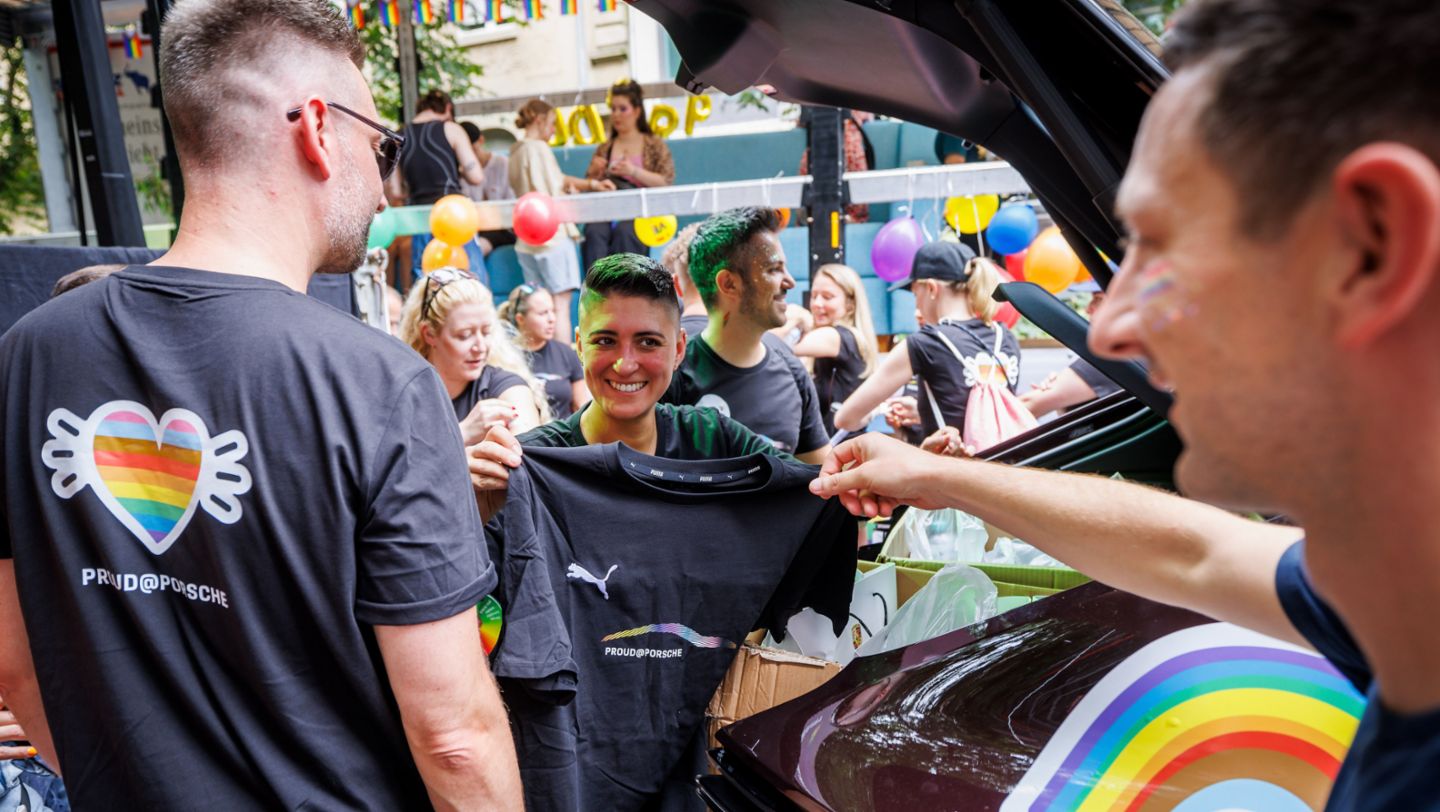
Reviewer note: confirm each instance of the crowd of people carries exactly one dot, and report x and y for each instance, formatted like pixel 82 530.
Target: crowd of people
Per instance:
pixel 303 632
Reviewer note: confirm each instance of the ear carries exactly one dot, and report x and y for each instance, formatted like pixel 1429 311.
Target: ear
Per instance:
pixel 317 143
pixel 730 282
pixel 427 334
pixel 680 349
pixel 1387 196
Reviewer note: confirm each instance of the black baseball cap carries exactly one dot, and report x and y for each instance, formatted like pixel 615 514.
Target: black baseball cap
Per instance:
pixel 942 260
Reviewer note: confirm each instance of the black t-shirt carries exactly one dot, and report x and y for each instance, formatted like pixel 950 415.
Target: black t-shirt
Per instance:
pixel 837 378
pixel 492 383
pixel 213 488
pixel 947 376
pixel 681 433
pixel 627 583
pixel 559 368
pixel 1385 767
pixel 1094 378
pixel 775 398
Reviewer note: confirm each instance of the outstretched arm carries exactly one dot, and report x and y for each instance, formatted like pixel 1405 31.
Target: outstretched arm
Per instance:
pixel 885 381
pixel 1139 539
pixel 19 689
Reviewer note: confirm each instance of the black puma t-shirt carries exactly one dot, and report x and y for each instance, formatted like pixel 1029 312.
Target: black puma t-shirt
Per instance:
pixel 213 489
pixel 628 581
pixel 776 398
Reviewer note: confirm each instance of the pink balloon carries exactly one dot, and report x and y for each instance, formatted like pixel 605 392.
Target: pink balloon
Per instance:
pixel 1008 315
pixel 535 218
pixel 893 251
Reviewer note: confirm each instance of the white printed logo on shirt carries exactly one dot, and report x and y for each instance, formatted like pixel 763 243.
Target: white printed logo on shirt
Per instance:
pixel 150 474
pixel 580 573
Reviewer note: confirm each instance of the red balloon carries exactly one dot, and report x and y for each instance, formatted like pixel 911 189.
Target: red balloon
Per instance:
pixel 1015 264
pixel 1007 315
pixel 535 219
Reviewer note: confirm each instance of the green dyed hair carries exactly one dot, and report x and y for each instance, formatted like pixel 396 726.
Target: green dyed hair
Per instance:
pixel 720 241
pixel 628 275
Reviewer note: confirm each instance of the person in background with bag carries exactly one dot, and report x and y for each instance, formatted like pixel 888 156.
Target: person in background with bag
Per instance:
pixel 533 168
pixel 632 157
pixel 962 356
pixel 842 345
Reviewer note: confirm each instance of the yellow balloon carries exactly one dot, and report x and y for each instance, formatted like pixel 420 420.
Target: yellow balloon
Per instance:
pixel 440 254
pixel 697 109
pixel 969 215
pixel 1050 262
pixel 656 231
pixel 664 120
pixel 562 130
pixel 586 118
pixel 453 219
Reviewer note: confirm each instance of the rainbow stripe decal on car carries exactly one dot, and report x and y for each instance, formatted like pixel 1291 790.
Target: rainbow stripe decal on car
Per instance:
pixel 1211 717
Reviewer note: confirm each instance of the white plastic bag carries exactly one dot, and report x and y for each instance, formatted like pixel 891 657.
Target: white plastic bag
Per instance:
pixel 1017 553
pixel 956 596
pixel 942 535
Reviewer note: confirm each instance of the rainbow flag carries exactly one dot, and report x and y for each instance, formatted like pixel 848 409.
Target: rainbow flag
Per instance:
pixel 455 11
pixel 424 13
pixel 569 7
pixel 533 9
pixel 356 13
pixel 133 50
pixel 607 5
pixel 495 11
pixel 389 13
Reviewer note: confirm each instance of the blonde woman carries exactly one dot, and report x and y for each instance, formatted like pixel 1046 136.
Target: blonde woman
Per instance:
pixel 530 313
pixel 843 341
pixel 450 319
pixel 960 343
pixel 553 266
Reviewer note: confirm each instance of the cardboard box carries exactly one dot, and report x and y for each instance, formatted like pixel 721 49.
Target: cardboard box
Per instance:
pixel 760 679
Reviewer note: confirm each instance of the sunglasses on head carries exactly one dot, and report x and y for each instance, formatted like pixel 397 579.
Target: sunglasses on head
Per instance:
pixel 387 152
pixel 434 281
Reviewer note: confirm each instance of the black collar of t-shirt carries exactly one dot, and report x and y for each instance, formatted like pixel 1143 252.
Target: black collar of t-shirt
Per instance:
pixel 171 274
pixel 690 481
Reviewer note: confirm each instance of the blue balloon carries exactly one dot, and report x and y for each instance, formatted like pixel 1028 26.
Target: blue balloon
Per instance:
pixel 1012 229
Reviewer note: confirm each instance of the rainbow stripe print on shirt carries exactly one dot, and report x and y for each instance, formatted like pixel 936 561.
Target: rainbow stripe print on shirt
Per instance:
pixel 1208 718
pixel 685 633
pixel 153 481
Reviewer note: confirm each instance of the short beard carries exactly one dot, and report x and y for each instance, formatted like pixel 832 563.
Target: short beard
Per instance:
pixel 760 309
pixel 347 225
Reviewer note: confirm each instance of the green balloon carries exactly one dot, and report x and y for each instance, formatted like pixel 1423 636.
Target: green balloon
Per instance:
pixel 382 230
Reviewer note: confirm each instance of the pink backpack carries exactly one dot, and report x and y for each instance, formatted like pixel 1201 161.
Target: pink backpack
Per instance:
pixel 993 414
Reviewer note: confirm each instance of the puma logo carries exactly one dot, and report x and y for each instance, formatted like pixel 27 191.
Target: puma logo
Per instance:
pixel 577 571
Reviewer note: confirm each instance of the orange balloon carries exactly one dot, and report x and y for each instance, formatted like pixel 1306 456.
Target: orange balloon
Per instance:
pixel 440 254
pixel 1050 263
pixel 784 218
pixel 453 219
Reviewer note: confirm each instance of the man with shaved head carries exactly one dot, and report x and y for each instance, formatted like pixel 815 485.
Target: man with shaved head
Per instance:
pixel 239 554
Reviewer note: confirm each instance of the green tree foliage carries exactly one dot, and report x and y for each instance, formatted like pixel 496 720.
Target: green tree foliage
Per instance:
pixel 22 198
pixel 1153 13
pixel 441 62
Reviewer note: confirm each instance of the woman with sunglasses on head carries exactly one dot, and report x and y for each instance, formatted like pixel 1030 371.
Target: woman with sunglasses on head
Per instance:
pixel 632 157
pixel 450 319
pixel 533 168
pixel 630 346
pixel 531 312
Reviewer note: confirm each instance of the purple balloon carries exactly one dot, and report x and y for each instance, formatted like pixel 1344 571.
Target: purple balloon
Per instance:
pixel 893 251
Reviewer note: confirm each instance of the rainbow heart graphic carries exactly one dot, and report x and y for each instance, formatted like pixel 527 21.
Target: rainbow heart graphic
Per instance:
pixel 151 474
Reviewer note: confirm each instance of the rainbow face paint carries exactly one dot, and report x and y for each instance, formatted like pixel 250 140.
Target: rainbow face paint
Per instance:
pixel 1161 301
